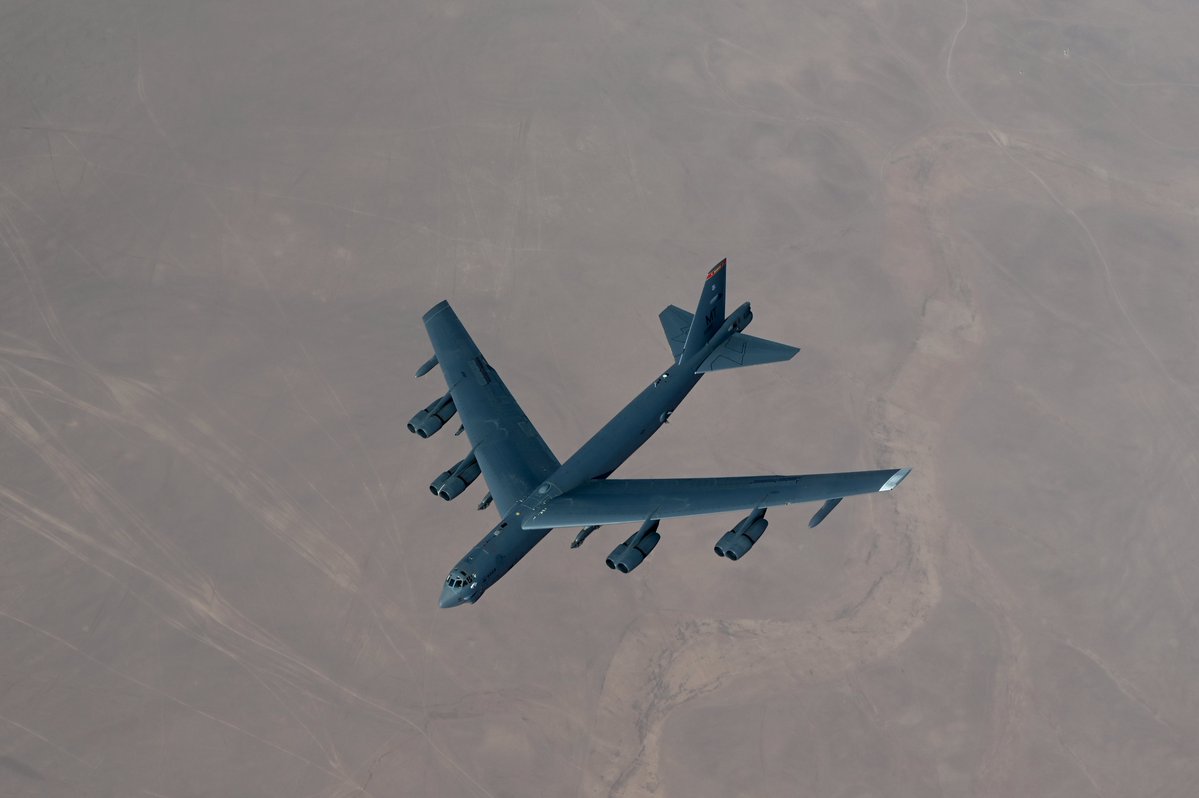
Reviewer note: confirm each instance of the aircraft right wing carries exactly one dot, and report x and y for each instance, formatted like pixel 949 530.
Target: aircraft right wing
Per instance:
pixel 619 501
pixel 511 453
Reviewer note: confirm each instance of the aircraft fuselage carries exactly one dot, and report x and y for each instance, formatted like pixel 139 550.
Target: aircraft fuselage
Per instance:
pixel 603 453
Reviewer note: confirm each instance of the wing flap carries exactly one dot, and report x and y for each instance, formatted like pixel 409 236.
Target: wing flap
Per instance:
pixel 512 455
pixel 619 501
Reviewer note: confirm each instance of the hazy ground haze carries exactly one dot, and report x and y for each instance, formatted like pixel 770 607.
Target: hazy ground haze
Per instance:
pixel 220 224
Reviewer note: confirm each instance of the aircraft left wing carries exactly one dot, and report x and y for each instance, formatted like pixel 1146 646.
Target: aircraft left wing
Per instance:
pixel 512 456
pixel 619 501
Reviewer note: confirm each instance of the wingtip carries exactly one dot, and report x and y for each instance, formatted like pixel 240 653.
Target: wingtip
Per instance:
pixel 433 311
pixel 896 478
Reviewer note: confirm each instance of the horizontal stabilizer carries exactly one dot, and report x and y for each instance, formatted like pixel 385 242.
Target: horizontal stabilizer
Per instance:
pixel 746 350
pixel 675 323
pixel 621 501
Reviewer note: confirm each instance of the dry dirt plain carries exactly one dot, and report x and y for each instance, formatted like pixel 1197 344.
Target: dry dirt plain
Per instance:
pixel 220 224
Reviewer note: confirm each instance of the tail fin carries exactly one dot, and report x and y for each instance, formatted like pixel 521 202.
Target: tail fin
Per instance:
pixel 709 312
pixel 689 333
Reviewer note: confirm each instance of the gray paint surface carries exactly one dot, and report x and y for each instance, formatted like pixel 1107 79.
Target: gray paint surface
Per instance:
pixel 534 492
pixel 220 224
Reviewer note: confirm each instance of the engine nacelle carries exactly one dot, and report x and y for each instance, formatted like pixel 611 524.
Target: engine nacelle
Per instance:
pixel 632 552
pixel 433 417
pixel 439 481
pixel 418 419
pixel 737 542
pixel 459 478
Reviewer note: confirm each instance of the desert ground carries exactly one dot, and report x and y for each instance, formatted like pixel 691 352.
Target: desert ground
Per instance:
pixel 220 224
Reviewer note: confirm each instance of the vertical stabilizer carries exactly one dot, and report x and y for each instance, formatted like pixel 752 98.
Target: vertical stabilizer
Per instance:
pixel 709 313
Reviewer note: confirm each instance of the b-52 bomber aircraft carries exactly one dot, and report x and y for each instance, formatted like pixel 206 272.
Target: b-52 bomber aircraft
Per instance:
pixel 534 493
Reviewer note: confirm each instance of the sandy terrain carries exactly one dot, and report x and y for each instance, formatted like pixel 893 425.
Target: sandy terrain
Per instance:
pixel 221 222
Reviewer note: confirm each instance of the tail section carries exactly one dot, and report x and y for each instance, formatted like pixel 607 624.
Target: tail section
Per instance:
pixel 675 323
pixel 687 333
pixel 745 350
pixel 709 313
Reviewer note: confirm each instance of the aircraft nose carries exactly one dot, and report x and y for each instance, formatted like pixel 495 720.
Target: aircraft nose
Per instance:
pixel 449 597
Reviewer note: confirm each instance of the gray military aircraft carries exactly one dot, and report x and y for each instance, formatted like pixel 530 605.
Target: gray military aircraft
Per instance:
pixel 535 493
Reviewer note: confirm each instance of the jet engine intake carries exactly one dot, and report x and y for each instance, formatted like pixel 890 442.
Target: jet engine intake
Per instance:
pixel 632 552
pixel 433 417
pixel 737 542
pixel 459 478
